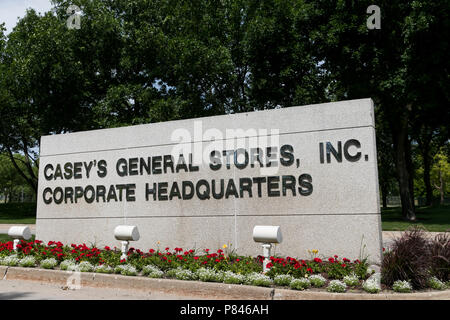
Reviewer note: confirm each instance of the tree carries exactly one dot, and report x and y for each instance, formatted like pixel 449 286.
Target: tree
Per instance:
pixel 402 67
pixel 50 81
pixel 12 185
pixel 440 173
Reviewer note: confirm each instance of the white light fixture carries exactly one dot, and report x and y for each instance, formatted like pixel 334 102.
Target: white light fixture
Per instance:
pixel 18 233
pixel 267 235
pixel 126 234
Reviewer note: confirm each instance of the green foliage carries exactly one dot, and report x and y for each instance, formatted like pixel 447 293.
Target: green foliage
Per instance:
pixel 336 286
pixel 402 286
pixel 300 284
pixel 48 263
pixel 258 279
pixel 23 213
pixel 317 280
pixel 283 279
pixel 436 284
pixel 351 280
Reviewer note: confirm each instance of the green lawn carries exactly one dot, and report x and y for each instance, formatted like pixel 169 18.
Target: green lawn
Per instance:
pixel 435 219
pixel 18 213
pixel 5 237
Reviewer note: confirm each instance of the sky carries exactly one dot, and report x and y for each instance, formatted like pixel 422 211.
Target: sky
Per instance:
pixel 10 10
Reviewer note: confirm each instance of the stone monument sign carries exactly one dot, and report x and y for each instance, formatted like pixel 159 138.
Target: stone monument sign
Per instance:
pixel 202 183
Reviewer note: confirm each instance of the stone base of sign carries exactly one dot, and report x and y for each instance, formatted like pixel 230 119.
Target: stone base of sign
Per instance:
pixel 349 236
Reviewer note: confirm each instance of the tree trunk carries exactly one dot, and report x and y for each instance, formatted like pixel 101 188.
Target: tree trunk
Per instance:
pixel 384 194
pixel 401 141
pixel 427 178
pixel 424 141
pixel 32 179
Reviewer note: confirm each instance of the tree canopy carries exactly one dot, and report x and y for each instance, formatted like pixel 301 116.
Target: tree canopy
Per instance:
pixel 141 61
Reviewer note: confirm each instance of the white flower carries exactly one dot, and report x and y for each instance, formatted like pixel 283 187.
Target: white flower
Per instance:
pixel 126 270
pixel 103 268
pixel 283 279
pixel 184 274
pixel 64 265
pixel 49 263
pixel 28 261
pixel 300 284
pixel 351 280
pixel 258 279
pixel 152 271
pixel 85 266
pixel 207 274
pixel 317 280
pixel 11 260
pixel 336 286
pixel 233 278
pixel 371 285
pixel 402 286
pixel 436 284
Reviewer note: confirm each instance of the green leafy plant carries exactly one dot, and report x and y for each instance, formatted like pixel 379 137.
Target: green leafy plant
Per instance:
pixel 258 279
pixel 317 280
pixel 233 278
pixel 126 270
pixel 336 286
pixel 283 279
pixel 103 268
pixel 49 263
pixel 436 284
pixel 402 286
pixel 152 271
pixel 27 262
pixel 85 266
pixel 371 285
pixel 351 280
pixel 300 284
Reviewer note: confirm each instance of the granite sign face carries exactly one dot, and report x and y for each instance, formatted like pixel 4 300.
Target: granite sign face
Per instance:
pixel 203 183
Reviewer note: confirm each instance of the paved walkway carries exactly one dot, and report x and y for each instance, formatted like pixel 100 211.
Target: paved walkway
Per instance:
pixel 390 236
pixel 31 290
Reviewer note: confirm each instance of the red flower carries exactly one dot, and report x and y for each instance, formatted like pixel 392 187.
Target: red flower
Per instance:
pixel 269 265
pixel 237 260
pixel 331 260
pixel 309 270
pixel 195 258
pixel 317 260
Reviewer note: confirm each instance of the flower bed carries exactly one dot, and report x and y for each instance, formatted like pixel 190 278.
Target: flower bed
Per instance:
pixel 333 274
